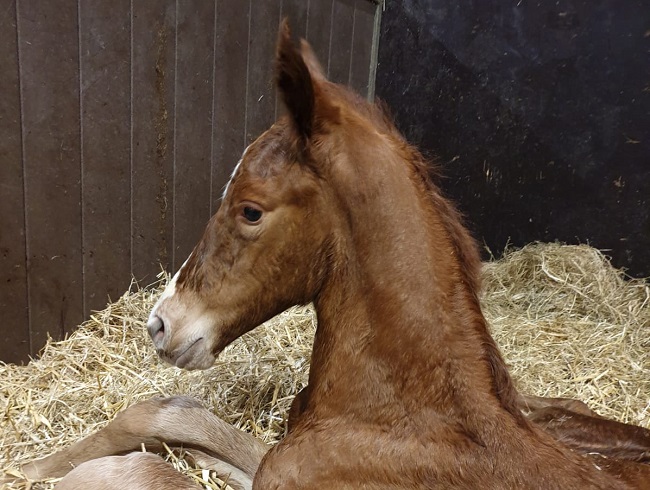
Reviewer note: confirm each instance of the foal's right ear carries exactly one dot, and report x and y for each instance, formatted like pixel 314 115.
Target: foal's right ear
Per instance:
pixel 313 65
pixel 295 82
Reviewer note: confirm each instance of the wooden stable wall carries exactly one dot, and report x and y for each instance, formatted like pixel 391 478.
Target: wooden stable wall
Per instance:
pixel 120 123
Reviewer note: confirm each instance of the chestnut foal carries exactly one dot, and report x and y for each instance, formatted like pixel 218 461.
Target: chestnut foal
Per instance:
pixel 407 388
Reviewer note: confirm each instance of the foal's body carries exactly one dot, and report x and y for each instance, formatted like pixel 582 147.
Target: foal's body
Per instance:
pixel 407 389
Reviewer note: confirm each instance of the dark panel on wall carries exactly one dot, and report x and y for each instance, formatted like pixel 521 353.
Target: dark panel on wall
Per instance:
pixel 121 123
pixel 153 81
pixel 105 59
pixel 13 286
pixel 51 135
pixel 539 111
pixel 230 68
pixel 193 124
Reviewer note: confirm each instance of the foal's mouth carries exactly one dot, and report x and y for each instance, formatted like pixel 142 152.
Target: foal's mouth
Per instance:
pixel 188 356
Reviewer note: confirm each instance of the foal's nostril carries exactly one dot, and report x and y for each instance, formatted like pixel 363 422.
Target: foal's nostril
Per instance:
pixel 156 329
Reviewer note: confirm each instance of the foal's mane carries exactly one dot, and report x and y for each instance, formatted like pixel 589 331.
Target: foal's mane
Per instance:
pixel 464 246
pixel 469 260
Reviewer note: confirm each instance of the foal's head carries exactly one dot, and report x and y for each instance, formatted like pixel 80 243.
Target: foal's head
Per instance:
pixel 277 235
pixel 266 247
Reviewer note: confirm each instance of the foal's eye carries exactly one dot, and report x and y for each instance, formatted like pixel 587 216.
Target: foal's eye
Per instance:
pixel 252 214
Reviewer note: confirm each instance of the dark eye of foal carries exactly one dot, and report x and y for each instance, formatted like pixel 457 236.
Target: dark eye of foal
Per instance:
pixel 251 214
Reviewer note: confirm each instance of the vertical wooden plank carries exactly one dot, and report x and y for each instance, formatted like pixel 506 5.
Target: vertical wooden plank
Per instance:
pixel 231 48
pixel 14 330
pixel 260 99
pixel 49 79
pixel 361 56
pixel 105 45
pixel 319 27
pixel 193 123
pixel 154 27
pixel 341 41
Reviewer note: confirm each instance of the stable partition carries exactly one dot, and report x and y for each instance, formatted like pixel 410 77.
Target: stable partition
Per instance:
pixel 120 123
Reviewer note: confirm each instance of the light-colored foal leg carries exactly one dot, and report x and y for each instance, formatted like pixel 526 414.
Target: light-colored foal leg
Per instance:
pixel 135 471
pixel 176 421
pixel 236 479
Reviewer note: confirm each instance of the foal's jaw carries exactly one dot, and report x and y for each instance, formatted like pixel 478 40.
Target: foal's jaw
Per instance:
pixel 270 243
pixel 253 269
pixel 189 350
pixel 181 333
pixel 193 352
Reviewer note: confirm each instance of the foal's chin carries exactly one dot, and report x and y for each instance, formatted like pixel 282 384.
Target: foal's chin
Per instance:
pixel 193 355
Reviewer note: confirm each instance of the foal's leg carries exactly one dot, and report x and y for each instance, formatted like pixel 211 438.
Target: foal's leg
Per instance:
pixel 588 434
pixel 176 420
pixel 147 471
pixel 298 406
pixel 573 423
pixel 237 479
pixel 530 404
pixel 135 471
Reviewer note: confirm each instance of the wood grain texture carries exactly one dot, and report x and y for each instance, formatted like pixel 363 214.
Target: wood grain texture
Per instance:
pixel 361 49
pixel 260 93
pixel 153 71
pixel 122 123
pixel 319 30
pixel 14 333
pixel 105 59
pixel 193 124
pixel 230 74
pixel 49 79
pixel 341 41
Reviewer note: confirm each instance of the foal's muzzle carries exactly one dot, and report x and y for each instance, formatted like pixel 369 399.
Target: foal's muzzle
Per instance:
pixel 156 328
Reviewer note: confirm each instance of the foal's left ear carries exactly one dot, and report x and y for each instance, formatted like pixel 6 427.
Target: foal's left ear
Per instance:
pixel 295 82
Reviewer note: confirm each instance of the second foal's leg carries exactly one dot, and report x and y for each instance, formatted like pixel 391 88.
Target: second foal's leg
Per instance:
pixel 135 471
pixel 530 404
pixel 574 424
pixel 176 421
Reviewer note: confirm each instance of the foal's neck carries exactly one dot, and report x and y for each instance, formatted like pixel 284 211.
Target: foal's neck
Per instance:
pixel 400 324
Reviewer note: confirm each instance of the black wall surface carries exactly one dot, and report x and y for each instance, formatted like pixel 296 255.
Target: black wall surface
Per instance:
pixel 539 112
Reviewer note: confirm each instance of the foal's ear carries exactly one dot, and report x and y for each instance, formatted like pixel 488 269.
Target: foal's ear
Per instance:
pixel 308 55
pixel 295 82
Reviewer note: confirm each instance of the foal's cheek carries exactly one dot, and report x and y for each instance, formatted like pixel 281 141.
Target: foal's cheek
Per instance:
pixel 248 233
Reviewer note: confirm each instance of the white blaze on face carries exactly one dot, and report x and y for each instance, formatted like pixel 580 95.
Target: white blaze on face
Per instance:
pixel 169 291
pixel 234 172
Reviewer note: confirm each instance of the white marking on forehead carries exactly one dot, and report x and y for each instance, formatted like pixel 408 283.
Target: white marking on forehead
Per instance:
pixel 234 172
pixel 169 291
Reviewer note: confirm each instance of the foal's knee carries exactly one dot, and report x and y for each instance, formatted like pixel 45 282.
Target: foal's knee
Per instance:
pixel 135 471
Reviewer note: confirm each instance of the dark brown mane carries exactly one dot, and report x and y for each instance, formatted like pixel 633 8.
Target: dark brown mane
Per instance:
pixel 470 267
pixel 464 246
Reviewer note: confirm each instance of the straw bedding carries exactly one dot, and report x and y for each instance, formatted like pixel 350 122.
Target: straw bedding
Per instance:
pixel 568 323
